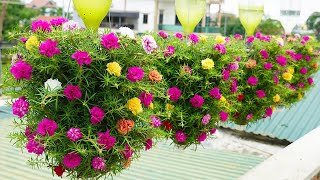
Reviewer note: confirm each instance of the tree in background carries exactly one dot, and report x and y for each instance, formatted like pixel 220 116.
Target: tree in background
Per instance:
pixel 231 25
pixel 270 27
pixel 3 13
pixel 313 23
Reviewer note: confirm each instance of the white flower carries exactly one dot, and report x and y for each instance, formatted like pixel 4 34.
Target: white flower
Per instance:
pixel 52 84
pixel 280 41
pixel 298 36
pixel 125 31
pixel 70 26
pixel 149 44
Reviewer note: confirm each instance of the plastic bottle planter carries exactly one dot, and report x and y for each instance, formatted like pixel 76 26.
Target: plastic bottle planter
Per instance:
pixel 92 12
pixel 189 13
pixel 250 17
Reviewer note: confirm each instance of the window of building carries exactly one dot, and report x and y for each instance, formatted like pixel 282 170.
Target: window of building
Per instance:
pixel 161 16
pixel 289 13
pixel 177 22
pixel 145 18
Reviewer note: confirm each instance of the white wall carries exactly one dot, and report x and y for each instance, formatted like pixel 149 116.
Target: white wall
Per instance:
pixel 169 12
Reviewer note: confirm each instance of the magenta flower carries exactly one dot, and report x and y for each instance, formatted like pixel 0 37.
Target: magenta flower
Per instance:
pixel 249 116
pixel 23 39
pixel 267 66
pixel 97 115
pixel 215 93
pixel 310 81
pixel 306 38
pixel 297 57
pixel 260 94
pixel 194 38
pixel 179 35
pixel 233 66
pixel 47 126
pixel 27 132
pixel 35 147
pixel 225 74
pixel 40 25
pixel 74 134
pixel 163 34
pixel 250 39
pixel 169 51
pixel 72 160
pixel 237 36
pixel 98 163
pixel 223 116
pixel 106 140
pixel 148 144
pixel 128 152
pixel 276 80
pixel 58 21
pixel 72 92
pixel 289 52
pixel 301 85
pixel 264 54
pixel 234 87
pixel 212 131
pixel 135 74
pixel 307 58
pixel 282 60
pixel 20 107
pixel 21 70
pixel 180 136
pixel 146 98
pixel 110 41
pixel 174 93
pixel 197 101
pixel 202 137
pixel 49 48
pixel 252 81
pixel 220 48
pixel 268 112
pixel 155 121
pixel 205 119
pixel 303 70
pixel 258 35
pixel 82 57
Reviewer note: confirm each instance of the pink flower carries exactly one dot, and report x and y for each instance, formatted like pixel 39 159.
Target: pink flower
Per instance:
pixel 258 35
pixel 72 160
pixel 276 80
pixel 148 144
pixel 47 126
pixel 267 66
pixel 194 38
pixel 215 93
pixel 197 101
pixel 187 69
pixel 179 35
pixel 307 58
pixel 234 87
pixel 310 81
pixel 21 70
pixel 72 92
pixel 40 25
pixel 202 137
pixel 264 54
pixel 98 163
pixel 225 74
pixel 20 107
pixel 289 52
pixel 174 94
pixel 212 131
pixel 35 147
pixel 301 85
pixel 169 51
pixel 252 81
pixel 180 136
pixel 128 152
pixel 306 38
pixel 297 57
pixel 223 116
pixel 110 41
pixel 205 119
pixel 23 39
pixel 74 134
pixel 82 57
pixel 250 39
pixel 163 34
pixel 282 60
pixel 58 21
pixel 249 116
pixel 220 48
pixel 155 121
pixel 135 74
pixel 303 42
pixel 233 66
pixel 260 94
pixel 303 70
pixel 237 36
pixel 106 140
pixel 146 98
pixel 49 48
pixel 268 112
pixel 149 44
pixel 97 115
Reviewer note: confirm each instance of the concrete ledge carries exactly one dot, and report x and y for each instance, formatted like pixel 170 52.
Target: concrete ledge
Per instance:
pixel 300 160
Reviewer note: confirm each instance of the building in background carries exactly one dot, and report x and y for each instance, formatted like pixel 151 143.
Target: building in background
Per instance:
pixel 48 8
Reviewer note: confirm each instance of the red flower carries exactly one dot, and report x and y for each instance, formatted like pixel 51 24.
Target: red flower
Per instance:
pixel 59 170
pixel 240 97
pixel 236 115
pixel 167 125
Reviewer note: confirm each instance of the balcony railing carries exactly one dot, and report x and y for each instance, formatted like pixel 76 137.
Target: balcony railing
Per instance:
pixel 198 29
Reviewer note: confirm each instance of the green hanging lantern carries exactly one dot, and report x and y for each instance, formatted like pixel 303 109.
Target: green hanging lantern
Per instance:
pixel 250 14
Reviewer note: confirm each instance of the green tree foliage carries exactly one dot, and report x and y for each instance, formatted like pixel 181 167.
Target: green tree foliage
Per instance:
pixel 312 19
pixel 270 27
pixel 233 25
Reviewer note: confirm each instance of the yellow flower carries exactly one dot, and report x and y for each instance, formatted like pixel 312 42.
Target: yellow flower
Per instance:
pixel 134 105
pixel 114 68
pixel 203 38
pixel 310 50
pixel 273 108
pixel 223 99
pixel 276 98
pixel 32 42
pixel 207 63
pixel 220 39
pixel 151 106
pixel 300 96
pixel 290 70
pixel 287 76
pixel 169 107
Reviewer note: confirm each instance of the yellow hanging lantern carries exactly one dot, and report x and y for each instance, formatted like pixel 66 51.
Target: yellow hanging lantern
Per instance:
pixel 250 14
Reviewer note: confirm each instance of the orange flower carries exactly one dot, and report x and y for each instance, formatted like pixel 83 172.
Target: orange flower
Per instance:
pixel 154 75
pixel 251 63
pixel 315 66
pixel 127 163
pixel 124 126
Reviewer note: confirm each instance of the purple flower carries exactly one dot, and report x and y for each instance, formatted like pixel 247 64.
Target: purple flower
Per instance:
pixel 97 115
pixel 23 40
pixel 234 87
pixel 225 74
pixel 49 48
pixel 237 36
pixel 35 147
pixel 72 92
pixel 205 119
pixel 252 81
pixel 135 74
pixel 197 101
pixel 21 70
pixel 276 80
pixel 106 140
pixel 267 66
pixel 223 116
pixel 301 85
pixel 215 93
pixel 202 137
pixel 146 98
pixel 72 160
pixel 128 152
pixel 289 52
pixel 220 48
pixel 82 57
pixel 58 21
pixel 98 163
pixel 163 34
pixel 306 38
pixel 250 39
pixel 303 70
pixel 179 35
pixel 74 134
pixel 180 136
pixel 310 81
pixel 194 38
pixel 20 107
pixel 110 41
pixel 40 25
pixel 233 66
pixel 249 116
pixel 258 35
pixel 156 122
pixel 174 93
pixel 148 144
pixel 47 126
pixel 264 54
pixel 307 58
pixel 297 57
pixel 260 94
pixel 282 60
pixel 169 51
pixel 268 112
